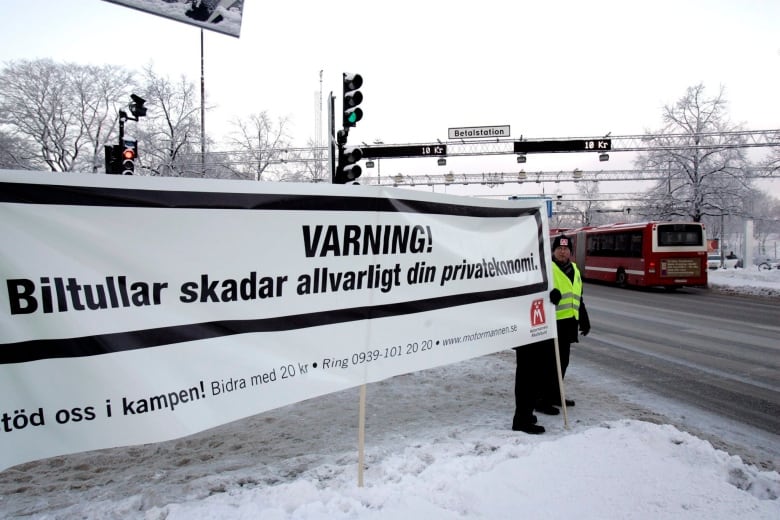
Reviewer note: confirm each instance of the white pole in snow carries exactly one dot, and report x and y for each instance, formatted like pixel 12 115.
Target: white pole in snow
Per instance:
pixel 361 433
pixel 560 384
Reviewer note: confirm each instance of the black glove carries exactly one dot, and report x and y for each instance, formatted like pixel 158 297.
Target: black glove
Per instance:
pixel 584 322
pixel 555 296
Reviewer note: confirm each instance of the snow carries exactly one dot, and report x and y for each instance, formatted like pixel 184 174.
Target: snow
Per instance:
pixel 750 281
pixel 438 446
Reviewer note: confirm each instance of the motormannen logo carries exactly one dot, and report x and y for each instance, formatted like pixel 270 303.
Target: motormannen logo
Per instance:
pixel 537 313
pixel 538 319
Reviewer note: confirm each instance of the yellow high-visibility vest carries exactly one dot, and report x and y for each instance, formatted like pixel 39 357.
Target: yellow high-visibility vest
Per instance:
pixel 571 293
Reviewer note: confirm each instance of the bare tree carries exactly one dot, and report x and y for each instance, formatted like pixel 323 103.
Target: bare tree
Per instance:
pixel 262 147
pixel 592 209
pixel 67 110
pixel 705 175
pixel 98 91
pixel 307 166
pixel 765 212
pixel 772 161
pixel 169 135
pixel 17 153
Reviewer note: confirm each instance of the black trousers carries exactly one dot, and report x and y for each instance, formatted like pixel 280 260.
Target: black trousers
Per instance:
pixel 550 392
pixel 529 379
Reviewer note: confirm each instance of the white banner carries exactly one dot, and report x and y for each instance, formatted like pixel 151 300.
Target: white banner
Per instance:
pixel 139 309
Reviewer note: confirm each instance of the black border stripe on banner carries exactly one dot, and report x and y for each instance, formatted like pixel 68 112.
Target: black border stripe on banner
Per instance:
pixel 35 350
pixel 53 194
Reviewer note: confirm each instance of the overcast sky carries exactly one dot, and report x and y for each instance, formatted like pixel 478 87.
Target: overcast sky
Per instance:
pixel 547 69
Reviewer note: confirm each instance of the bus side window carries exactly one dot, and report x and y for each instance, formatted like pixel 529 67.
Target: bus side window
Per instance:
pixel 636 245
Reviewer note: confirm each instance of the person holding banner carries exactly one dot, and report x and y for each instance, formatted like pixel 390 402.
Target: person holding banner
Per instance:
pixel 571 317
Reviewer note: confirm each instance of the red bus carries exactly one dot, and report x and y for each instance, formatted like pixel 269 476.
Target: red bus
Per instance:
pixel 666 254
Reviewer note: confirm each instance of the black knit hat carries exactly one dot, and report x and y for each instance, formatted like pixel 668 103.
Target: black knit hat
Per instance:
pixel 561 240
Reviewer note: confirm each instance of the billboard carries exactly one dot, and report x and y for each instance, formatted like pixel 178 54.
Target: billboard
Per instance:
pixel 222 16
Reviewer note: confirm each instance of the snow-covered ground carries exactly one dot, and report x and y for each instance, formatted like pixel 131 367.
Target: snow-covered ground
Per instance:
pixel 746 281
pixel 438 446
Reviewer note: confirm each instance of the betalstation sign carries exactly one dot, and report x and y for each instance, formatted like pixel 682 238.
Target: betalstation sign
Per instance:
pixel 468 132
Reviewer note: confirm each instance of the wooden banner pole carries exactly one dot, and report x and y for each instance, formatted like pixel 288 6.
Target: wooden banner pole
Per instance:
pixel 361 434
pixel 560 384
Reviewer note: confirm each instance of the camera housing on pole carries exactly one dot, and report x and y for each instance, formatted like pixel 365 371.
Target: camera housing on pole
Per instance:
pixel 137 107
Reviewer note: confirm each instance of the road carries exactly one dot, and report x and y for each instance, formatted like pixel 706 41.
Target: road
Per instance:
pixel 719 354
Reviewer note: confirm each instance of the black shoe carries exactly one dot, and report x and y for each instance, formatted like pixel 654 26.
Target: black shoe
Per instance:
pixel 531 419
pixel 532 429
pixel 547 409
pixel 569 402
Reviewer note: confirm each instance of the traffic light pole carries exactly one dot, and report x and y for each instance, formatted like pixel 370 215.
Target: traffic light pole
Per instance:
pixel 331 133
pixel 122 119
pixel 120 158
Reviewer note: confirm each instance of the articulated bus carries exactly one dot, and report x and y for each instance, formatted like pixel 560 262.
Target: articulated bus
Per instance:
pixel 665 254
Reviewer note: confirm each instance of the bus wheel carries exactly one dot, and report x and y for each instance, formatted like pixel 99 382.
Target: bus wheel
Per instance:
pixel 621 279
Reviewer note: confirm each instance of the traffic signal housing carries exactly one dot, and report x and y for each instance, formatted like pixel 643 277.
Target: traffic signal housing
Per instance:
pixel 348 170
pixel 351 98
pixel 129 156
pixel 137 107
pixel 113 159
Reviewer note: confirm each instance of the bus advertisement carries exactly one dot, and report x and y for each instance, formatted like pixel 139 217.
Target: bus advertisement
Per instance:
pixel 663 254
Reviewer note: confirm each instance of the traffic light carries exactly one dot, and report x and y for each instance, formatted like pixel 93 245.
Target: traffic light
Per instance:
pixel 351 98
pixel 347 169
pixel 113 159
pixel 129 156
pixel 137 107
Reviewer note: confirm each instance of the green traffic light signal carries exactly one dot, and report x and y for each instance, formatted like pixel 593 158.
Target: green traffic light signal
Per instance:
pixel 355 115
